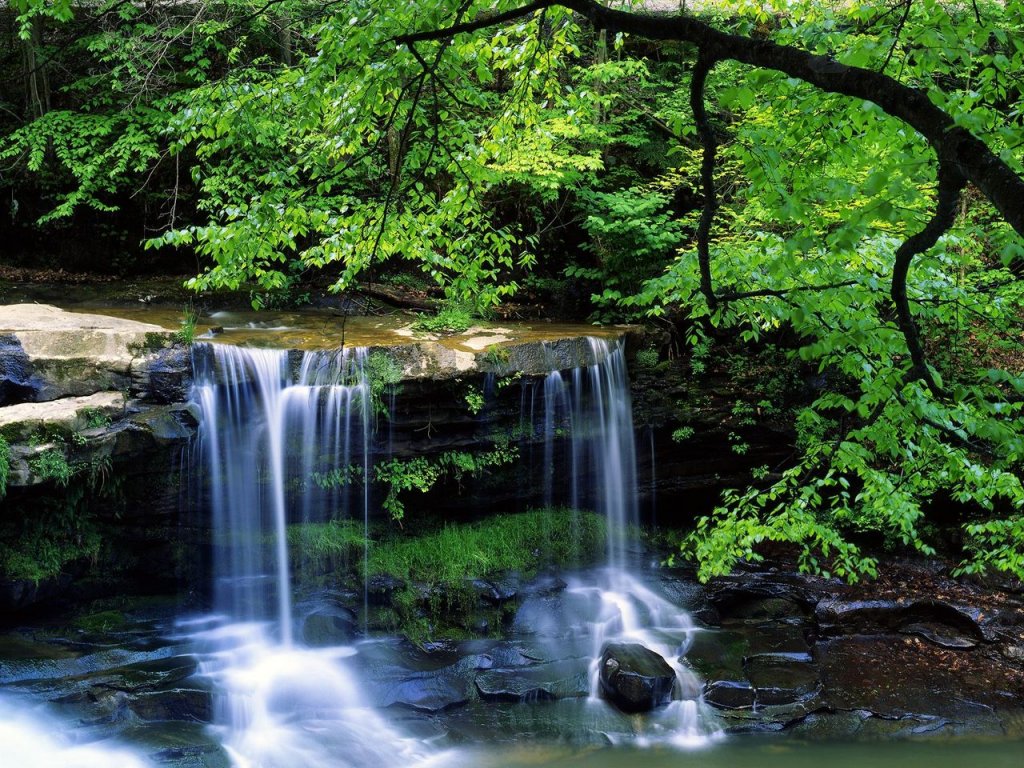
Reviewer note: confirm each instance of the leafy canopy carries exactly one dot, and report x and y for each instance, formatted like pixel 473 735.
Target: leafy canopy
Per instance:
pixel 459 153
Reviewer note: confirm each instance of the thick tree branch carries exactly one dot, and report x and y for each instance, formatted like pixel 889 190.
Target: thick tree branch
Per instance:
pixel 950 185
pixel 954 145
pixel 707 175
pixel 781 292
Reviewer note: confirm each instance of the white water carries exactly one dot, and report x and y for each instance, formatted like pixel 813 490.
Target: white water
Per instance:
pixel 32 738
pixel 269 424
pixel 266 432
pixel 622 608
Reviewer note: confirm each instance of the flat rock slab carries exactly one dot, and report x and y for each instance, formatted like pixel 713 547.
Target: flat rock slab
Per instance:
pixel 542 682
pixel 69 414
pixel 71 353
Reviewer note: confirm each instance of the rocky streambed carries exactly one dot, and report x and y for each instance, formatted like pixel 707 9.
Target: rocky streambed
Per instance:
pixel 915 656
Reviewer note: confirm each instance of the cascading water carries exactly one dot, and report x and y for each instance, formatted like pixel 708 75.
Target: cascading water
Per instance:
pixel 596 412
pixel 272 442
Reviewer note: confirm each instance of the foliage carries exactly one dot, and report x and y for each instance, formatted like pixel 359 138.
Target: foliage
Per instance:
pixel 421 473
pixel 520 543
pixel 452 318
pixel 455 155
pixel 475 401
pixel 5 465
pixel 383 374
pixel 37 543
pixel 52 464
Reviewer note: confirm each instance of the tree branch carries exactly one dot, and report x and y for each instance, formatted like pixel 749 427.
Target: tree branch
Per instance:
pixel 781 292
pixel 950 185
pixel 707 174
pixel 969 155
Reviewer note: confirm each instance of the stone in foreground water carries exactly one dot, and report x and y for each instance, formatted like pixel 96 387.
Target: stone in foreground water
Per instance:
pixel 635 678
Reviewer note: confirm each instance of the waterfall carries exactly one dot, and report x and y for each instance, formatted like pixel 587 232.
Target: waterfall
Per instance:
pixel 280 437
pixel 274 444
pixel 596 412
pixel 588 427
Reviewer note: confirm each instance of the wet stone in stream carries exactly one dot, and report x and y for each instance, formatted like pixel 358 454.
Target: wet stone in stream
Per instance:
pixel 635 678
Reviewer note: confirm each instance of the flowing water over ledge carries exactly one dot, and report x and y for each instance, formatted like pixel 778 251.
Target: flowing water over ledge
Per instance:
pixel 534 696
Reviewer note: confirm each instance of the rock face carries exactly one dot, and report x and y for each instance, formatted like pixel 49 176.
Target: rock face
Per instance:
pixel 88 428
pixel 53 354
pixel 914 653
pixel 635 678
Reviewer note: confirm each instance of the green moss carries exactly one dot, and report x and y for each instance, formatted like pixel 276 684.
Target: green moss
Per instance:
pixel 5 465
pixel 326 546
pixel 102 621
pixel 523 543
pixel 383 373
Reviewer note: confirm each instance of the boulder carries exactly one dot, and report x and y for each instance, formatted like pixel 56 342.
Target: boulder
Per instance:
pixel 635 678
pixel 58 354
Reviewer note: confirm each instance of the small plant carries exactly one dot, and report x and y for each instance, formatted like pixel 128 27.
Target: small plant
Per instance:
pixel 495 356
pixel 94 418
pixel 682 434
pixel 51 464
pixel 700 356
pixel 738 445
pixel 186 334
pixel 647 359
pixel 475 401
pixel 452 318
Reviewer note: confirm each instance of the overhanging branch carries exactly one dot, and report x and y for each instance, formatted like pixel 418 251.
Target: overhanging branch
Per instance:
pixel 956 146
pixel 707 174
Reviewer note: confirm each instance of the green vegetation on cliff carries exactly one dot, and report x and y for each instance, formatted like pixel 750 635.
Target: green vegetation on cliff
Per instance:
pixel 844 182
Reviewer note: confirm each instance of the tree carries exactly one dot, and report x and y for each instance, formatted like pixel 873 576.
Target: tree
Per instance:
pixel 852 174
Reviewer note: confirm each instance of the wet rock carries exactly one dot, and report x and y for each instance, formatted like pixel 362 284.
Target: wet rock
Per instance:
pixel 947 623
pixel 329 625
pixel 782 678
pixel 191 703
pixel 425 690
pixel 543 586
pixel 497 593
pixel 721 654
pixel 17 382
pixel 895 676
pixel 425 693
pixel 635 678
pixel 542 682
pixel 163 425
pixel 729 694
pixel 942 635
pixel 166 376
pixel 772 597
pixel 381 588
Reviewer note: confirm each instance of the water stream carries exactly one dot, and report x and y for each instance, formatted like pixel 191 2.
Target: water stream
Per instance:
pixel 288 440
pixel 274 434
pixel 271 423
